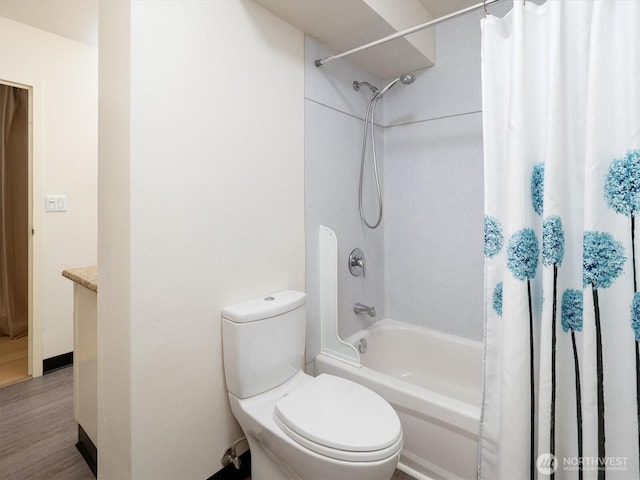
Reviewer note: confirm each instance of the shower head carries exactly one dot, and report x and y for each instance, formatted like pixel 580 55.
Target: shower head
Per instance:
pixel 407 79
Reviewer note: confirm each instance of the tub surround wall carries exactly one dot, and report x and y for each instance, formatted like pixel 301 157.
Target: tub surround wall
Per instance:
pixel 428 262
pixel 434 188
pixel 334 114
pixel 434 238
pixel 201 181
pixel 431 150
pixel 435 175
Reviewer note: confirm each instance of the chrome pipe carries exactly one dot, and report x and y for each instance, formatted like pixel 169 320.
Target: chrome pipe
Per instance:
pixel 319 62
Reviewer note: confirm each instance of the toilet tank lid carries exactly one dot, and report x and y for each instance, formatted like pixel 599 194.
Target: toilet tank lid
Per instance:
pixel 264 307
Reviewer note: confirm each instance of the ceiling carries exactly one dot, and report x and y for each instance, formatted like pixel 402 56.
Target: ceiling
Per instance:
pixel 341 25
pixel 75 19
pixel 78 19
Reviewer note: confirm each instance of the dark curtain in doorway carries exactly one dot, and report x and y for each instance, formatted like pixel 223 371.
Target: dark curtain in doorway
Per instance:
pixel 14 212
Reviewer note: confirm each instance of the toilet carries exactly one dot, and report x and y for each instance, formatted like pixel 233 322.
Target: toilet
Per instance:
pixel 299 426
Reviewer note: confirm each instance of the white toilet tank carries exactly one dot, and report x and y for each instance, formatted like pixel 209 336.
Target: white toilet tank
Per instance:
pixel 263 342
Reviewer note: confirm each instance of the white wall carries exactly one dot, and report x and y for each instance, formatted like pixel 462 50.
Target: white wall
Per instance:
pixel 333 141
pixel 114 239
pixel 64 76
pixel 204 130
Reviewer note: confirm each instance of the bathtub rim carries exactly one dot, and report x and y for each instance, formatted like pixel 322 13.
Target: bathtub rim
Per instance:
pixel 389 323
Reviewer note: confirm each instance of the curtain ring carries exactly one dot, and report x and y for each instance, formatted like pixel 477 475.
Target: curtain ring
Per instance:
pixel 484 8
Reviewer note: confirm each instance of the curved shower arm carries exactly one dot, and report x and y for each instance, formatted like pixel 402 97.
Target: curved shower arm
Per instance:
pixel 357 85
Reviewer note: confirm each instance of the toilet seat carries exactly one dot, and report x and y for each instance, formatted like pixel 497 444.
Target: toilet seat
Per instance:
pixel 340 419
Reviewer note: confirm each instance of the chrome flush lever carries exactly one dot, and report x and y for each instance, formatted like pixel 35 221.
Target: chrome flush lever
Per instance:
pixel 356 263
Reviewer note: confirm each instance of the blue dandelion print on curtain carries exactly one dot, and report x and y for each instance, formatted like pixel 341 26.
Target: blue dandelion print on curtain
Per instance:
pixel 571 319
pixel 622 184
pixel 497 299
pixel 552 255
pixel 522 261
pixel 552 241
pixel 537 188
pixel 493 238
pixel 522 254
pixel 602 262
pixel 622 191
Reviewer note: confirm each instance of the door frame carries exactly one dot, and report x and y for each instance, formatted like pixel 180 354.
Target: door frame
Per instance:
pixel 34 182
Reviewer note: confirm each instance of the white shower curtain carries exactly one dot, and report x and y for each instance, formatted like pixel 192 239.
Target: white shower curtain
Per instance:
pixel 561 113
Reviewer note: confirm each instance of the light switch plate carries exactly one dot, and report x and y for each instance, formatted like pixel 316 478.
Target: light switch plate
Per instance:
pixel 55 203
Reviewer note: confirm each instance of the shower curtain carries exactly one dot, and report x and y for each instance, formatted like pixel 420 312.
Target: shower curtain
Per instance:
pixel 561 120
pixel 13 211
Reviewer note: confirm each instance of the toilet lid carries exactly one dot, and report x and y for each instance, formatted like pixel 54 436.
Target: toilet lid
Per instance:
pixel 333 412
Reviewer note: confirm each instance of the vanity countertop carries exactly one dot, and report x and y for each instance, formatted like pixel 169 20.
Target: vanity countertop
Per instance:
pixel 85 276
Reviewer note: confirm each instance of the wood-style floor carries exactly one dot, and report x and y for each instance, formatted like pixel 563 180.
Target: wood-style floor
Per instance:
pixel 38 432
pixel 14 360
pixel 398 475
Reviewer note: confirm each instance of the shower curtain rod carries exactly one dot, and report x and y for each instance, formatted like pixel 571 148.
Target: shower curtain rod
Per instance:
pixel 408 31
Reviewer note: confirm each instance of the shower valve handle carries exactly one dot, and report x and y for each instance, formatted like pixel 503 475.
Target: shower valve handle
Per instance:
pixel 356 263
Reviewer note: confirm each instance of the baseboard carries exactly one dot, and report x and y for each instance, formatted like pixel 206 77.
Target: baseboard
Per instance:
pixel 56 363
pixel 88 450
pixel 230 473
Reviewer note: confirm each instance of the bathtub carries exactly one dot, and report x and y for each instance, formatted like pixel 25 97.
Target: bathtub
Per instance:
pixel 434 382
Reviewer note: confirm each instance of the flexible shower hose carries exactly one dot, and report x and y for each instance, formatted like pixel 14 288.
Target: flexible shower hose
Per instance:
pixel 369 120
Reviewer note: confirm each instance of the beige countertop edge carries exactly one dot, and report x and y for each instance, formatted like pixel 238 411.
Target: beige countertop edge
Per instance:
pixel 85 276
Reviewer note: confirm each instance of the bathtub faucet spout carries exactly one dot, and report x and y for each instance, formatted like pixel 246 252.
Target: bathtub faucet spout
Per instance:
pixel 360 308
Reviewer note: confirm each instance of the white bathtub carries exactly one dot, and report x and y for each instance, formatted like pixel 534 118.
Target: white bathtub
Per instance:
pixel 434 381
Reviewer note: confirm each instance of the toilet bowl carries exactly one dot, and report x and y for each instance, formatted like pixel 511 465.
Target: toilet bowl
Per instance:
pixel 299 426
